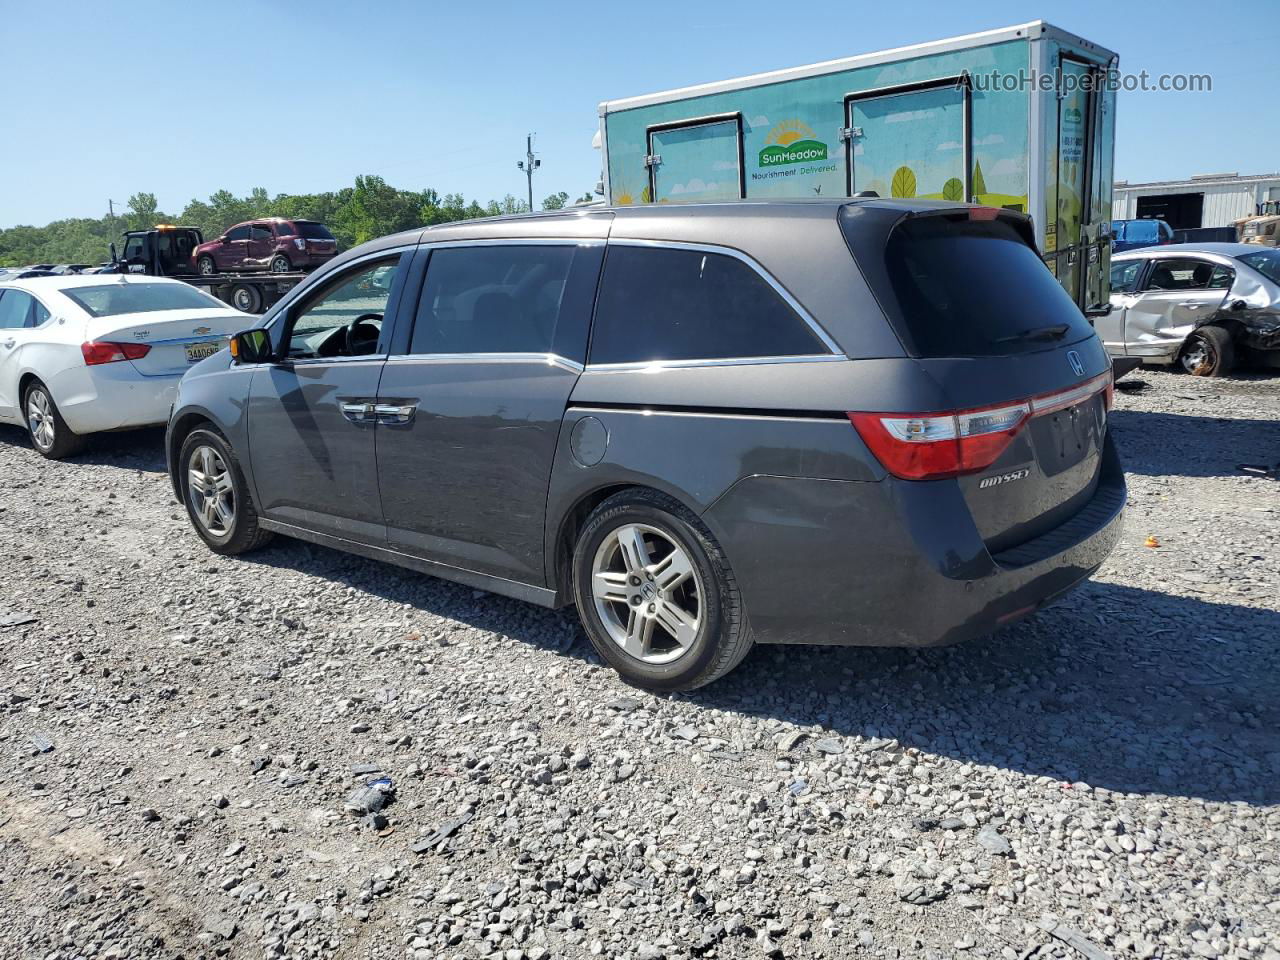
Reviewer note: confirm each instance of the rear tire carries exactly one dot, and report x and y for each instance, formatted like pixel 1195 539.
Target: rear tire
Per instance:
pixel 220 508
pixel 246 299
pixel 280 264
pixel 656 593
pixel 49 433
pixel 1208 352
pixel 206 267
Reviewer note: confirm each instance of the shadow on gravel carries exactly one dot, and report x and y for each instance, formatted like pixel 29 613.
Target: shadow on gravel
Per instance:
pixel 1170 444
pixel 1125 689
pixel 134 449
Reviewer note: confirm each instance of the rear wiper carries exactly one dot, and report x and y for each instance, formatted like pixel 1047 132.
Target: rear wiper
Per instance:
pixel 1055 331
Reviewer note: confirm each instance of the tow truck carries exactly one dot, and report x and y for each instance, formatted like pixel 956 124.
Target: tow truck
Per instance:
pixel 165 251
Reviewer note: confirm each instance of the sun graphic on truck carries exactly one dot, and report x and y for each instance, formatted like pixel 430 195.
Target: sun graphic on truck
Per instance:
pixel 792 141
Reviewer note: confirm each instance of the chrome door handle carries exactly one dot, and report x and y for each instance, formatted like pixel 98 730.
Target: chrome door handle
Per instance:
pixel 357 411
pixel 1191 304
pixel 395 412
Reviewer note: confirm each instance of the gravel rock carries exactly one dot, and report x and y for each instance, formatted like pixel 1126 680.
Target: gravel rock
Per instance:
pixel 1107 766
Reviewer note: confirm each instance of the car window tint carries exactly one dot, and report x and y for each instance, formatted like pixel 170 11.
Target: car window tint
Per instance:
pixel 659 303
pixel 1124 276
pixel 258 232
pixel 1180 275
pixel 491 299
pixel 1221 279
pixel 134 248
pixel 14 307
pixel 284 229
pixel 238 233
pixel 319 323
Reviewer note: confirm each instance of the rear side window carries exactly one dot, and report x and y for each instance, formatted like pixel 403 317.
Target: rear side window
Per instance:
pixel 259 232
pixel 284 229
pixel 956 287
pixel 659 303
pixel 491 299
pixel 315 231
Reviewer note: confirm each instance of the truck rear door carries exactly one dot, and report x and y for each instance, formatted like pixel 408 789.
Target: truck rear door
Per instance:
pixel 698 160
pixel 910 142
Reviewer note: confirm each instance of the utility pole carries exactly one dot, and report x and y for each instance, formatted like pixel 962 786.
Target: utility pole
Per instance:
pixel 528 165
pixel 111 209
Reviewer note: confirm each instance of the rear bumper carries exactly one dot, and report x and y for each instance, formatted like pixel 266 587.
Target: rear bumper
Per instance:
pixel 112 396
pixel 896 564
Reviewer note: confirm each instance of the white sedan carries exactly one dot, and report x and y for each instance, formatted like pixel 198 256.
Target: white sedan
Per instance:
pixel 84 354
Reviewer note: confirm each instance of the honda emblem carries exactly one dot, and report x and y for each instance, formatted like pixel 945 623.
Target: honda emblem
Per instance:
pixel 1077 364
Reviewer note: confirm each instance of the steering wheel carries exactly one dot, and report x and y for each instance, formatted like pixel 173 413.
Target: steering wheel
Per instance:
pixel 361 341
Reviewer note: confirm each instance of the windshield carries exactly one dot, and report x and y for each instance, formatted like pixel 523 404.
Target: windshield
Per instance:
pixel 1266 262
pixel 314 231
pixel 112 299
pixel 1141 230
pixel 955 287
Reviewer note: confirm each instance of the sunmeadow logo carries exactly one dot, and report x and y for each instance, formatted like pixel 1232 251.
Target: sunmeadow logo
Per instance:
pixel 792 142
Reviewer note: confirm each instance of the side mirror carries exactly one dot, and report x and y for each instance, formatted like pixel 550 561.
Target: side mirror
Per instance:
pixel 1098 310
pixel 114 258
pixel 251 346
pixel 223 238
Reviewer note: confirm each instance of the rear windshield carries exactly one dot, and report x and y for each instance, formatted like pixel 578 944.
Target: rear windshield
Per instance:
pixel 955 287
pixel 112 299
pixel 1142 230
pixel 314 231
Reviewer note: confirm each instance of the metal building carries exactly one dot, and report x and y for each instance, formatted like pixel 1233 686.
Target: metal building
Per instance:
pixel 1205 200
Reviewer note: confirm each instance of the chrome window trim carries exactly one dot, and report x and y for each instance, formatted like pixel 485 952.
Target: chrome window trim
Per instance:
pixel 654 366
pixel 548 359
pixel 514 242
pixel 312 361
pixel 751 262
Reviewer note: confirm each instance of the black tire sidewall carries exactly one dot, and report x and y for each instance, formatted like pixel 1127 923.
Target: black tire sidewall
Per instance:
pixel 1217 342
pixel 685 671
pixel 254 298
pixel 202 437
pixel 65 441
pixel 208 260
pixel 271 267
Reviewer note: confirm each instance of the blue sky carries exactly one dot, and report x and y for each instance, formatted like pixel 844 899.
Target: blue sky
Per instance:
pixel 180 99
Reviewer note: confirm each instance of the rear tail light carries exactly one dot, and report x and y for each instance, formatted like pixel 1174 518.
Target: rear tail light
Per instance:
pixel 930 446
pixel 300 243
pixel 96 352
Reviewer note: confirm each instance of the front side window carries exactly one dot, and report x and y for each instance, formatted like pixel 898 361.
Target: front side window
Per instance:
pixel 344 318
pixel 135 248
pixel 491 299
pixel 238 233
pixel 1180 275
pixel 661 303
pixel 1124 276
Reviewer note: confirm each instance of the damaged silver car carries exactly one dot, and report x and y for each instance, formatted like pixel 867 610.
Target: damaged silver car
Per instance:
pixel 1201 306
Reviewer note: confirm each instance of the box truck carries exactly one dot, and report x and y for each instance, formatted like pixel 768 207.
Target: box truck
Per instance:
pixel 1022 118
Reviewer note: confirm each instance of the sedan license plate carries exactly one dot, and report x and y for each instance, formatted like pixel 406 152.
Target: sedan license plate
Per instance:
pixel 200 351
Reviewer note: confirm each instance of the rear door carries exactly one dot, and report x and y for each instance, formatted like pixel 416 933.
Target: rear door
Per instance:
pixel 1177 295
pixel 261 243
pixel 472 398
pixel 696 160
pixel 977 308
pixel 311 414
pixel 16 311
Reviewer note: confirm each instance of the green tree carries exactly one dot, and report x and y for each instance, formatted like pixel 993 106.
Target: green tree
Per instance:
pixel 953 189
pixel 979 184
pixel 556 201
pixel 143 211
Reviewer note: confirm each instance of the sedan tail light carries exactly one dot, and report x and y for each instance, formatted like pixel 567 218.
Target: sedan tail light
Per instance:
pixel 102 351
pixel 930 446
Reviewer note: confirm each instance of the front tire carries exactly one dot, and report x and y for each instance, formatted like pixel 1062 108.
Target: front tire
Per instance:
pixel 216 495
pixel 656 593
pixel 49 433
pixel 1208 352
pixel 206 267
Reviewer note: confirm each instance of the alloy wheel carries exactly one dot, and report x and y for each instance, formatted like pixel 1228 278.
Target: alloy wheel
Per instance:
pixel 647 593
pixel 211 491
pixel 279 265
pixel 40 418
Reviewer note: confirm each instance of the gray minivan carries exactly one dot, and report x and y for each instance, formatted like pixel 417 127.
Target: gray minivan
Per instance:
pixel 866 422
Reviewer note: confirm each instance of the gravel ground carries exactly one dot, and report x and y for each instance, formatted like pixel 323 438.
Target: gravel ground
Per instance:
pixel 182 733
